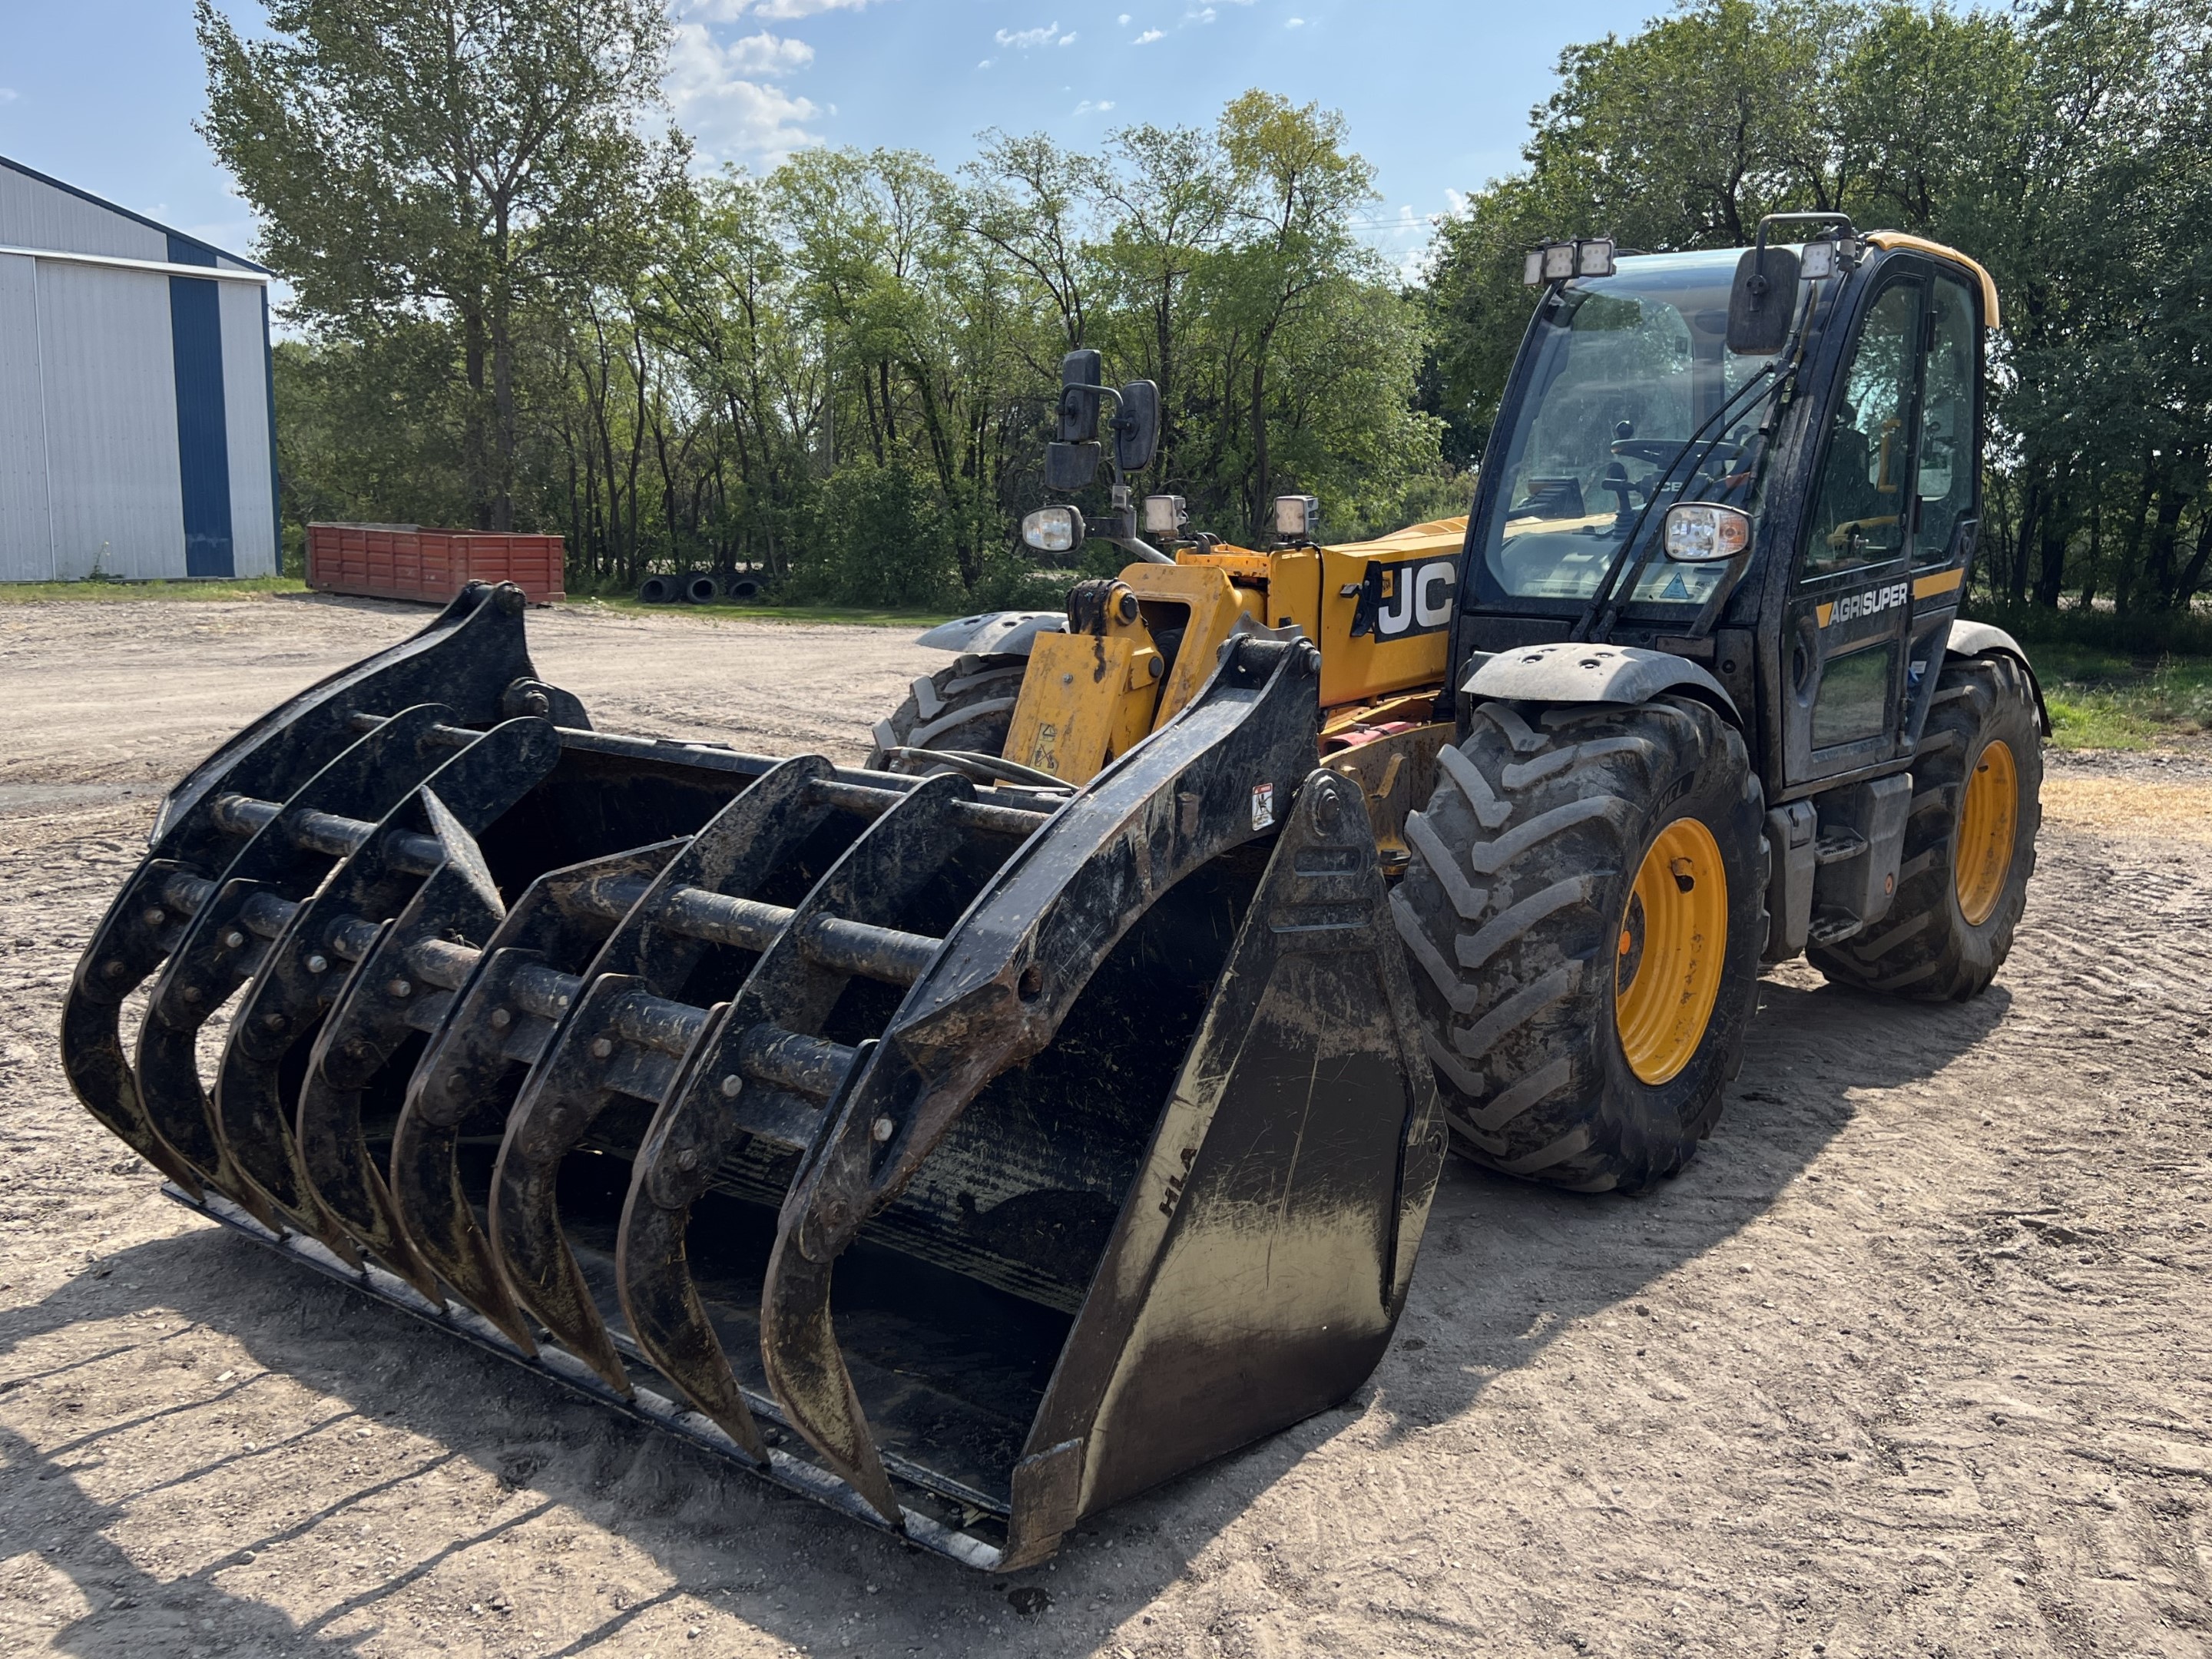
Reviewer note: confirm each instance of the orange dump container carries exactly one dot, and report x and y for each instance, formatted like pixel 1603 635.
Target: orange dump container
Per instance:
pixel 406 562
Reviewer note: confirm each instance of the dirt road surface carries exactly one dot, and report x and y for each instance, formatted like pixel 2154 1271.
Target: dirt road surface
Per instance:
pixel 1913 1360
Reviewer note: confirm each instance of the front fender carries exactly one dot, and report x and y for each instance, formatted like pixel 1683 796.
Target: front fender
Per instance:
pixel 1568 672
pixel 994 633
pixel 1979 639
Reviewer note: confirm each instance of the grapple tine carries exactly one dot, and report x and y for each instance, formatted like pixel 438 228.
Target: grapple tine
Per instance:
pixel 137 932
pixel 667 1319
pixel 428 833
pixel 622 1037
pixel 168 1074
pixel 809 1375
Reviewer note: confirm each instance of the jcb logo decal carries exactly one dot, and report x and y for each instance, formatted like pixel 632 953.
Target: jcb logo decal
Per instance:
pixel 1872 603
pixel 1399 601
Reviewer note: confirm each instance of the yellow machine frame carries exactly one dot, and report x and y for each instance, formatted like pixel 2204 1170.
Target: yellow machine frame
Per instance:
pixel 1380 610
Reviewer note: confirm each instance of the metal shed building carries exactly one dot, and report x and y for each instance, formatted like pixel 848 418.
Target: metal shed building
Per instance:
pixel 136 437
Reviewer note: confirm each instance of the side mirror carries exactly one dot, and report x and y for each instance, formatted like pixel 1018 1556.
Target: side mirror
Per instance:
pixel 1055 530
pixel 1078 396
pixel 1762 302
pixel 1704 532
pixel 1137 427
pixel 1070 466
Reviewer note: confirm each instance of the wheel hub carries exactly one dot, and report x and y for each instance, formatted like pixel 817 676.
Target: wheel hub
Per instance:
pixel 1672 943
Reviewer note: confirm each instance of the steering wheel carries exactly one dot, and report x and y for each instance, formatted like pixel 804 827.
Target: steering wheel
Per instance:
pixel 1657 452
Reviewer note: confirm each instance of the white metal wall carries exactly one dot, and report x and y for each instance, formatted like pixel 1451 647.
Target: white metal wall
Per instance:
pixel 26 533
pixel 114 487
pixel 34 213
pixel 90 477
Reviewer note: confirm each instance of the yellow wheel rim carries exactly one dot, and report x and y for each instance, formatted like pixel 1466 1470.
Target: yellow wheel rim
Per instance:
pixel 1672 940
pixel 1988 816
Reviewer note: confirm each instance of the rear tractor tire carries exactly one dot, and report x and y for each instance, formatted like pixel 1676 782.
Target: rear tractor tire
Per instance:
pixel 1585 910
pixel 1969 843
pixel 969 706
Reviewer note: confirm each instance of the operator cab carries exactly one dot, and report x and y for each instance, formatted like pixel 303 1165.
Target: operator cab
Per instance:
pixel 1833 444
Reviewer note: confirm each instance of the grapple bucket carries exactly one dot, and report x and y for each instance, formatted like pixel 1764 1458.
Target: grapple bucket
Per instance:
pixel 966 1158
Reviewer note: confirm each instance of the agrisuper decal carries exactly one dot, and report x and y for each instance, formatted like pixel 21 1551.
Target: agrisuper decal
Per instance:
pixel 1399 601
pixel 1856 607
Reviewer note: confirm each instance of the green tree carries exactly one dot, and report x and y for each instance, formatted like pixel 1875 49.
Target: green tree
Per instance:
pixel 469 159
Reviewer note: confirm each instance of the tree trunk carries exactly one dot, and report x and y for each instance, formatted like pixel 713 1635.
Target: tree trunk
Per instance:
pixel 2051 575
pixel 1262 464
pixel 473 437
pixel 502 380
pixel 2127 581
pixel 2031 511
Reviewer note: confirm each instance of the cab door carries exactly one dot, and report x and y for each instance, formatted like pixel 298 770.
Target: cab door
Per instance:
pixel 1844 675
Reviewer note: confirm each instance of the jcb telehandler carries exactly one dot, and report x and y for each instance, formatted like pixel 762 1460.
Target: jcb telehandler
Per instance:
pixel 1710 702
pixel 970 1150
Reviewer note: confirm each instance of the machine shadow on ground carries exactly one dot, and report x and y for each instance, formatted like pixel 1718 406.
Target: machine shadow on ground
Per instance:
pixel 1506 1267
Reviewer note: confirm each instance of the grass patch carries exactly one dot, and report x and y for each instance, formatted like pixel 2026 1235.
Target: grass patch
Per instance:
pixel 791 613
pixel 2102 699
pixel 100 590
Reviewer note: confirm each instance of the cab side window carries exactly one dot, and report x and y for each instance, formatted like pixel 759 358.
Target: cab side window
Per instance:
pixel 1945 471
pixel 1858 515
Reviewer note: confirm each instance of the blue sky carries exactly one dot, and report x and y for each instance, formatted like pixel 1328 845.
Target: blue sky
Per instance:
pixel 103 93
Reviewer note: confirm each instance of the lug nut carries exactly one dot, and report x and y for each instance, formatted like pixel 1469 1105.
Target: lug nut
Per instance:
pixel 116 969
pixel 500 1019
pixel 192 993
pixel 274 1022
pixel 318 964
pixel 731 1084
pixel 883 1129
pixel 234 938
pixel 400 987
pixel 602 1047
pixel 687 1159
pixel 155 918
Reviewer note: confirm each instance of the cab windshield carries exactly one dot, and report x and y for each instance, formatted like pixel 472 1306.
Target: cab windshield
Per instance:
pixel 1628 367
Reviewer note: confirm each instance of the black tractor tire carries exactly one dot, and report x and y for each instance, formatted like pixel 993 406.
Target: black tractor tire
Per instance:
pixel 1925 947
pixel 1514 908
pixel 967 706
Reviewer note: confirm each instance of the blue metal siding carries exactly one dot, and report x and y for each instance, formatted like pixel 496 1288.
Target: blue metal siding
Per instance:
pixel 202 446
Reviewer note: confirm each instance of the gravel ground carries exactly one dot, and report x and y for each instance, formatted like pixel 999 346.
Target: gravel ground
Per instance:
pixel 1910 1361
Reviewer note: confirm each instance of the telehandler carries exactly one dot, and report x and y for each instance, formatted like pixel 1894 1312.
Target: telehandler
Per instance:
pixel 1687 692
pixel 972 1139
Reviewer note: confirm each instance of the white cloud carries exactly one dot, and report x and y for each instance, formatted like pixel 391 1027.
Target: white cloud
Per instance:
pixel 1295 23
pixel 1023 39
pixel 766 54
pixel 1068 39
pixel 1148 37
pixel 1123 20
pixel 1203 14
pixel 730 117
pixel 6 95
pixel 987 63
pixel 1087 108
